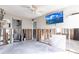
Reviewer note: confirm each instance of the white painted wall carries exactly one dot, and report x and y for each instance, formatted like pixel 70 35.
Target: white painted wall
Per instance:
pixel 9 18
pixel 69 21
pixel 26 24
pixel 41 23
pixel 72 22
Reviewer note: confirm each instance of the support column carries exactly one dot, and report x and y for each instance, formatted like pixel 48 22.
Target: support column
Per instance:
pixel 5 39
pixel 11 39
pixel 32 30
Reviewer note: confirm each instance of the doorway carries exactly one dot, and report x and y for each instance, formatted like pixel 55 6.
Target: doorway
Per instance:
pixel 34 30
pixel 76 34
pixel 17 30
pixel 34 33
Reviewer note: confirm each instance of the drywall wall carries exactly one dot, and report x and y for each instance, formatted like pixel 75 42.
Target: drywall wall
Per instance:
pixel 69 21
pixel 72 22
pixel 8 19
pixel 26 24
pixel 16 25
pixel 41 23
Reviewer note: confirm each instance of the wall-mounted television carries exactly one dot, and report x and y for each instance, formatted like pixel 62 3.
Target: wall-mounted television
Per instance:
pixel 53 18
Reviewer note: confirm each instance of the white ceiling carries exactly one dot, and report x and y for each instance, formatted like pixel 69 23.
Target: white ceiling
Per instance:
pixel 24 11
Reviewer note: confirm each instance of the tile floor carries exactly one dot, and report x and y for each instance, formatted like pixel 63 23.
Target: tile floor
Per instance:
pixel 27 47
pixel 73 45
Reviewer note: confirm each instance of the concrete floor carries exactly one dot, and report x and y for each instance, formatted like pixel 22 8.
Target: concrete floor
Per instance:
pixel 28 46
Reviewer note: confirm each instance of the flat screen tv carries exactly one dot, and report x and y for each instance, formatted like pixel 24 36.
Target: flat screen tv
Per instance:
pixel 54 18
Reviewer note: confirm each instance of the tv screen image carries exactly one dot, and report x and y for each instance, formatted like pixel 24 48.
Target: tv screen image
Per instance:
pixel 54 18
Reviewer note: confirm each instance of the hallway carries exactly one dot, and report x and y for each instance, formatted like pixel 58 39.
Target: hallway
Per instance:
pixel 27 47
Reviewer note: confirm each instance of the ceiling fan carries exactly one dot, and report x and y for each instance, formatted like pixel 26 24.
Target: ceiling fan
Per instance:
pixel 32 8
